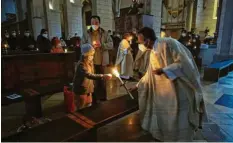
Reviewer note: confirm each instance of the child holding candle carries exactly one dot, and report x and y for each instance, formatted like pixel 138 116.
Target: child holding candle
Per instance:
pixel 83 80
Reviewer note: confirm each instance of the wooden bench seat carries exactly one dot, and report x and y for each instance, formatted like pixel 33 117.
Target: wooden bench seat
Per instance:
pixel 108 111
pixel 217 70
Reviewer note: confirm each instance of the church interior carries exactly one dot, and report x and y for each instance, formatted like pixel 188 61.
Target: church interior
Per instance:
pixel 38 79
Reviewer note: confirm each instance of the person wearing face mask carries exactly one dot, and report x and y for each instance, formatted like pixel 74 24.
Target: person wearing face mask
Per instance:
pixel 142 59
pixel 13 41
pixel 183 38
pixel 83 84
pixel 56 46
pixel 43 43
pixel 6 37
pixel 170 94
pixel 125 58
pixel 116 43
pixel 196 44
pixel 102 42
pixel 27 42
pixel 134 43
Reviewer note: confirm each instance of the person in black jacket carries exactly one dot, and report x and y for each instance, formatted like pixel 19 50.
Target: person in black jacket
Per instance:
pixel 83 84
pixel 13 41
pixel 184 38
pixel 134 43
pixel 43 43
pixel 27 42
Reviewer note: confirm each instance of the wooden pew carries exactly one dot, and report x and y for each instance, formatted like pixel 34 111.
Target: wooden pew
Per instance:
pixel 217 70
pixel 81 125
pixel 43 72
pixel 108 111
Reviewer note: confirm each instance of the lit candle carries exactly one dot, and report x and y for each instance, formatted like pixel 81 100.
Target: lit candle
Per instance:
pixel 94 42
pixel 65 50
pixel 116 73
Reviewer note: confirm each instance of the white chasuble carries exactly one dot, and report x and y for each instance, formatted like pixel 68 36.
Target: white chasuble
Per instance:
pixel 169 103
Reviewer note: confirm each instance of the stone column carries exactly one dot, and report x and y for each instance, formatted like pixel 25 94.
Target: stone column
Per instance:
pixel 37 16
pixel 54 19
pixel 104 10
pixel 94 7
pixel 224 42
pixel 205 17
pixel 156 8
pixel 189 18
pixel 74 18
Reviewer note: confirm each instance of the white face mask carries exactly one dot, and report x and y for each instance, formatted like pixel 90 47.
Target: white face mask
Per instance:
pixel 142 47
pixel 26 34
pixel 14 34
pixel 95 27
pixel 45 35
pixel 183 34
pixel 7 36
pixel 194 40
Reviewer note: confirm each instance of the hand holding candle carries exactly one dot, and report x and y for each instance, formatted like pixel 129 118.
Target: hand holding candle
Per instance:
pixel 96 44
pixel 116 73
pixel 108 76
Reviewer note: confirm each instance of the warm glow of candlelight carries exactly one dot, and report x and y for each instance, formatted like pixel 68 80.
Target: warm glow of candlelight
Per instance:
pixel 65 50
pixel 94 42
pixel 115 72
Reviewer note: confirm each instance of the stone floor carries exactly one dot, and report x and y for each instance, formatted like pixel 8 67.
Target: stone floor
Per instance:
pixel 218 129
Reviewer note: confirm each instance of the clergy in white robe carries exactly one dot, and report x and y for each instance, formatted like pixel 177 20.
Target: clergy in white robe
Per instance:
pixel 170 93
pixel 124 58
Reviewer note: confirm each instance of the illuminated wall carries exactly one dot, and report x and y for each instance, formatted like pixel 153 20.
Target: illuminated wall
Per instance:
pixel 206 17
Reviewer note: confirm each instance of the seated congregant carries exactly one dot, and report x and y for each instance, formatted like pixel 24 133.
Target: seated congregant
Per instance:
pixel 43 43
pixel 13 41
pixel 27 42
pixel 56 46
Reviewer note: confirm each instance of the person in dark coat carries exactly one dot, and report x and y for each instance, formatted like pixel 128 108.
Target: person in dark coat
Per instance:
pixel 134 43
pixel 196 44
pixel 83 84
pixel 6 38
pixel 116 42
pixel 183 38
pixel 13 41
pixel 77 47
pixel 43 43
pixel 27 42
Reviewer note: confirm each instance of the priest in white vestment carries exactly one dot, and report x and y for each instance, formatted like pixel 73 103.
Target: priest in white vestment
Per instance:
pixel 125 57
pixel 170 93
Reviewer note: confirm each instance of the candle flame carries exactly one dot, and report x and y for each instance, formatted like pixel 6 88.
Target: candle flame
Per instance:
pixel 116 73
